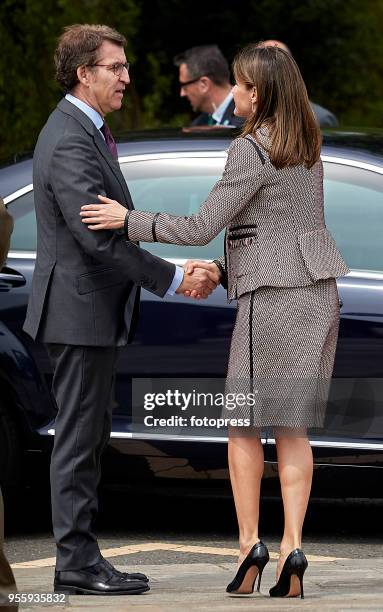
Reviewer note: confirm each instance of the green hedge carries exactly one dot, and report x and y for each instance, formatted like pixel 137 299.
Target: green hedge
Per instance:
pixel 337 43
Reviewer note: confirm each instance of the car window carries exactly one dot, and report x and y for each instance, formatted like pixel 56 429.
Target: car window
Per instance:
pixel 353 206
pixel 177 186
pixel 24 235
pixel 354 214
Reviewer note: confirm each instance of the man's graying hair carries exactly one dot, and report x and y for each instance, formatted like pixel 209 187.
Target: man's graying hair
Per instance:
pixel 78 46
pixel 205 60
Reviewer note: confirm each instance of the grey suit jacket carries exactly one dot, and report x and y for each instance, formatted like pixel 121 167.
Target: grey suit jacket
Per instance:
pixel 325 117
pixel 85 288
pixel 228 117
pixel 276 234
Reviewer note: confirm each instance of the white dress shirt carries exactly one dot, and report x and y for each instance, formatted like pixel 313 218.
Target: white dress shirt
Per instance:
pixel 220 111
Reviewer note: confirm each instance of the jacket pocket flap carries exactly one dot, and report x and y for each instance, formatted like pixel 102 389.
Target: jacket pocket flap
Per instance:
pixel 100 279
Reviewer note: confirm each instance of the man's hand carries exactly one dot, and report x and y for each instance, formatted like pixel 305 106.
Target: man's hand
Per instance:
pixel 198 284
pixel 191 267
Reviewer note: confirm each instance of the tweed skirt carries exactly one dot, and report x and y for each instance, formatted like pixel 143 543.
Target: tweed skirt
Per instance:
pixel 282 355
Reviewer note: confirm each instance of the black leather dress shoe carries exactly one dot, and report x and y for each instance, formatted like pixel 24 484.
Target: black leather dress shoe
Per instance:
pixel 98 579
pixel 132 576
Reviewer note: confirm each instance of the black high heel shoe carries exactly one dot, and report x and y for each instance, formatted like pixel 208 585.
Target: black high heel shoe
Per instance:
pixel 295 565
pixel 251 567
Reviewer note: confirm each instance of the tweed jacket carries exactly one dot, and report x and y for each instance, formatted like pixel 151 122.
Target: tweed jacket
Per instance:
pixel 275 229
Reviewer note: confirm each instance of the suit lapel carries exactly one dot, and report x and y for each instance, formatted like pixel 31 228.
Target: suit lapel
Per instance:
pixel 70 109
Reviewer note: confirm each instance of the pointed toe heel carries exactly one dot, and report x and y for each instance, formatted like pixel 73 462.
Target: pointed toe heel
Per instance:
pixel 295 565
pixel 251 567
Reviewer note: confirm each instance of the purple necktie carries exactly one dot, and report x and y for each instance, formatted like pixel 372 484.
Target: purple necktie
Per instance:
pixel 110 142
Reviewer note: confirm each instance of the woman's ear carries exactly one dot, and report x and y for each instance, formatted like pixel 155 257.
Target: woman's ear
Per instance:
pixel 254 96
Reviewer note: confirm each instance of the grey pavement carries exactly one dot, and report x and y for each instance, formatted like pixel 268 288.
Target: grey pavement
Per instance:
pixel 188 548
pixel 39 545
pixel 340 585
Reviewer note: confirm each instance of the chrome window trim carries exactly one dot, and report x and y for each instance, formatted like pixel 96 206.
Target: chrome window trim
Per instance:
pixel 18 193
pixel 222 439
pixel 352 162
pixel 174 155
pixel 365 274
pixel 344 445
pixel 21 255
pixel 180 262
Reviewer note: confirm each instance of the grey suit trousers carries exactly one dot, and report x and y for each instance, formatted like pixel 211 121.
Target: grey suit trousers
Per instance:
pixel 83 386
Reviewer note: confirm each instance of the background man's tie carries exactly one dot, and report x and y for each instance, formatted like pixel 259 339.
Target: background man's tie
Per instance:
pixel 110 142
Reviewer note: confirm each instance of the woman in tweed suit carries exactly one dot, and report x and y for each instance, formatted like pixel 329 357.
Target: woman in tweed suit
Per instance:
pixel 280 265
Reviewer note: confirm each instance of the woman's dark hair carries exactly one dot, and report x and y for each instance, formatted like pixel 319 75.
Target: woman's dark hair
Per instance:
pixel 282 104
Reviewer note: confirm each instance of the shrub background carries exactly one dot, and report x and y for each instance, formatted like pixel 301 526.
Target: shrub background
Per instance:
pixel 338 45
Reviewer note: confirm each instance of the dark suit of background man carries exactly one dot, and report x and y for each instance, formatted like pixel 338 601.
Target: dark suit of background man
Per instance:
pixel 85 293
pixel 325 117
pixel 7 581
pixel 204 78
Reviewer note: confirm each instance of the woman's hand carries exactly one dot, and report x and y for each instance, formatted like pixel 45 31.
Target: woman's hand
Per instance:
pixel 109 215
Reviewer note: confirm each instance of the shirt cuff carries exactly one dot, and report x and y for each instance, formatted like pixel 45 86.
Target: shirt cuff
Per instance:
pixel 177 280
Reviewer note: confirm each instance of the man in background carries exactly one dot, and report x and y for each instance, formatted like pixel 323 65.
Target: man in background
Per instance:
pixel 204 79
pixel 7 581
pixel 325 117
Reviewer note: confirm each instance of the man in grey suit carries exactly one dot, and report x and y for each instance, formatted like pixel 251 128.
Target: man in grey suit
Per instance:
pixel 85 293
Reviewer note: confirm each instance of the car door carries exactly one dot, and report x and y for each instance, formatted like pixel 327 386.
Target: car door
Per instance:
pixel 354 215
pixel 30 364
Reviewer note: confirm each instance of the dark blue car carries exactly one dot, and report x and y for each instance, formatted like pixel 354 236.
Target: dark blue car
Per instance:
pixel 178 337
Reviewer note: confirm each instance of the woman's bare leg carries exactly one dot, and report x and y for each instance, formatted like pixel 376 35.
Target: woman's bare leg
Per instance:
pixel 246 464
pixel 295 466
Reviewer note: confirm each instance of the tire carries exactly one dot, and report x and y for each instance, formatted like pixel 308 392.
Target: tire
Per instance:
pixel 10 448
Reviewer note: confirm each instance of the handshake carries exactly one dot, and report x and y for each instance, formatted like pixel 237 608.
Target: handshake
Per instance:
pixel 200 279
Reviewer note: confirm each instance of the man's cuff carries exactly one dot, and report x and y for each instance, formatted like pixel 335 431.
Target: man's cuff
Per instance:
pixel 177 280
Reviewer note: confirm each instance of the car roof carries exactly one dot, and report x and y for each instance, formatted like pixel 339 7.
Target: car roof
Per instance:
pixel 360 145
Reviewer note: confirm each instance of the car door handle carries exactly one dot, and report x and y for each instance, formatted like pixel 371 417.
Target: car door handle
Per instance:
pixel 340 303
pixel 10 278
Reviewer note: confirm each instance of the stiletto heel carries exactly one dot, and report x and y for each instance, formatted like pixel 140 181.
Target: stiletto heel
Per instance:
pixel 295 565
pixel 251 567
pixel 301 583
pixel 260 578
